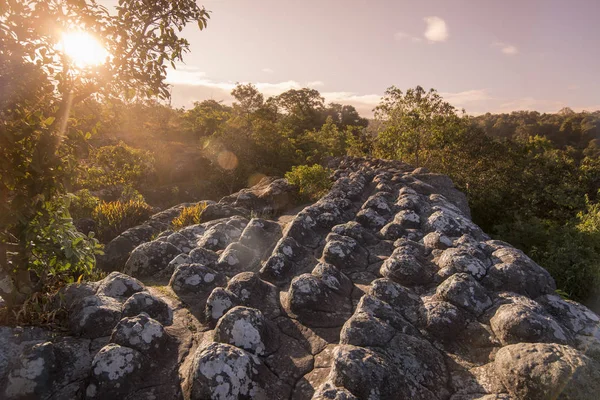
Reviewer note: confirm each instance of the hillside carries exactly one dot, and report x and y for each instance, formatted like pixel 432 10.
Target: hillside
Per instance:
pixel 383 288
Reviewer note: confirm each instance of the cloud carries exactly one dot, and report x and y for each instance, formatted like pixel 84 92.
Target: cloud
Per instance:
pixel 531 104
pixel 436 31
pixel 400 36
pixel 573 87
pixel 466 98
pixel 506 48
pixel 267 70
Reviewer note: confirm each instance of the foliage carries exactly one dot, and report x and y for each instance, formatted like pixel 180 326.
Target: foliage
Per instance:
pixel 55 251
pixel 82 204
pixel 39 142
pixel 415 124
pixel 118 165
pixel 191 215
pixel 114 217
pixel 312 181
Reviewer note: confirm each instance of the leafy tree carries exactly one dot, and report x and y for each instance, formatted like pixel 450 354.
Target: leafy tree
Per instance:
pixel 414 124
pixel 302 110
pixel 40 85
pixel 207 117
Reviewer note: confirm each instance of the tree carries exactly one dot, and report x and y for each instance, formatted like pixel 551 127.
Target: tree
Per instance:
pixel 414 124
pixel 206 118
pixel 345 115
pixel 39 86
pixel 302 110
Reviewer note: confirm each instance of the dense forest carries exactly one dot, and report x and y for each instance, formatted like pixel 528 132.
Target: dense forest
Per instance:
pixel 70 181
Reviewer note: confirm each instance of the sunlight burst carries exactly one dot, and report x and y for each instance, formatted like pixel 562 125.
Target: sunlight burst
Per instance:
pixel 84 49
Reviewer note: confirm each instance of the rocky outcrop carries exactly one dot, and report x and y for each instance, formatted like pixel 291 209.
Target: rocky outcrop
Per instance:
pixel 382 289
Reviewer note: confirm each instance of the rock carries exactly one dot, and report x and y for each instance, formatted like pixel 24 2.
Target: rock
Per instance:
pixel 364 373
pixel 119 286
pixel 407 267
pixel 143 334
pixel 153 306
pixel 547 371
pixel 180 241
pixel 94 316
pixel 458 259
pixel 49 369
pixel 203 256
pixel 247 329
pixel 345 253
pixel 465 292
pixel 523 320
pixel 219 302
pixel 237 258
pixel 116 371
pixel 515 272
pixel 260 235
pixel 218 211
pixel 224 371
pixel 195 279
pixel 444 321
pixel 256 293
pixel 370 218
pixel 219 236
pixel 150 259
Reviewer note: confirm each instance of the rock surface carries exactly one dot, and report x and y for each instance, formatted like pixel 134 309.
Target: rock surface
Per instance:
pixel 382 289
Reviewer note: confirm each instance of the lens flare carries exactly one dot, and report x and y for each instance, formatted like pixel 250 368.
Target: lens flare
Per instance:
pixel 227 160
pixel 83 49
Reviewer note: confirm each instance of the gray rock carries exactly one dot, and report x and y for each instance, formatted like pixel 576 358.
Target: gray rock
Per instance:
pixel 150 259
pixel 119 286
pixel 195 279
pixel 260 235
pixel 218 303
pixel 116 372
pixel 465 292
pixel 345 253
pixel 224 371
pixel 203 256
pixel 143 334
pixel 547 371
pixel 247 329
pixel 144 302
pixel 407 267
pixel 237 258
pixel 94 316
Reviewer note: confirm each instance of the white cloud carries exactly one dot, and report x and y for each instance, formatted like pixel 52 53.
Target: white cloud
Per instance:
pixel 267 70
pixel 401 35
pixel 531 104
pixel 573 87
pixel 506 48
pixel 437 30
pixel 466 98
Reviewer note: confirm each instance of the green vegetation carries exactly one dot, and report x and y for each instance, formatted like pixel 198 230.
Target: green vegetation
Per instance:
pixel 99 142
pixel 312 181
pixel 114 217
pixel 191 215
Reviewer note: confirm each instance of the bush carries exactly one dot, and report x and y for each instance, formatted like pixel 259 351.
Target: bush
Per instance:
pixel 57 252
pixel 188 216
pixel 118 165
pixel 82 204
pixel 114 217
pixel 312 181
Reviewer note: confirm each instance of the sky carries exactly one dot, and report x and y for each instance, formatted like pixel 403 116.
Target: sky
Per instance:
pixel 481 55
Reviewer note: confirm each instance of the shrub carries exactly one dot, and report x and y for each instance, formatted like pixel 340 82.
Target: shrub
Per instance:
pixel 114 217
pixel 118 165
pixel 57 252
pixel 82 204
pixel 191 215
pixel 131 194
pixel 312 181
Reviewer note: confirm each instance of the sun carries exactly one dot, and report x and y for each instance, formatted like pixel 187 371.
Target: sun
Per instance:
pixel 83 49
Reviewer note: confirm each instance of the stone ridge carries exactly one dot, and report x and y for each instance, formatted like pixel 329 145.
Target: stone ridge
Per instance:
pixel 382 289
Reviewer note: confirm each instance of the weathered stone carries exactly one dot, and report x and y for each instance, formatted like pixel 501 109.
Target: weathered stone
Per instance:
pixel 116 372
pixel 150 259
pixel 260 235
pixel 143 334
pixel 195 279
pixel 218 303
pixel 94 316
pixel 547 371
pixel 464 291
pixel 119 286
pixel 247 329
pixel 237 258
pixel 224 371
pixel 203 256
pixel 144 302
pixel 407 267
pixel 345 253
